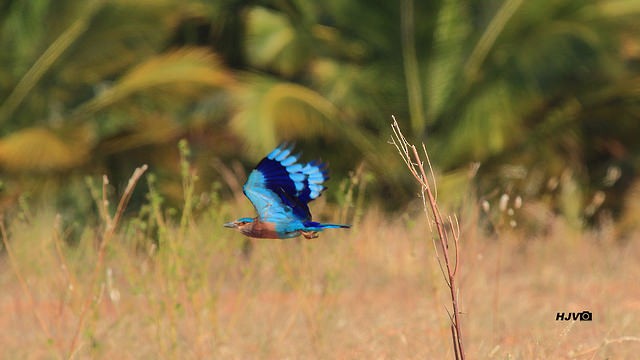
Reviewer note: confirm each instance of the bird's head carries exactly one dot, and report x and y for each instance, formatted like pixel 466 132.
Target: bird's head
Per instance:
pixel 243 224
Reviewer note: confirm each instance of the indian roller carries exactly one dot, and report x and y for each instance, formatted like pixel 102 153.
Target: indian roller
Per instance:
pixel 280 189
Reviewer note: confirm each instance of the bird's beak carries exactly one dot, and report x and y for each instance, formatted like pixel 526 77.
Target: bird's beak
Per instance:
pixel 231 225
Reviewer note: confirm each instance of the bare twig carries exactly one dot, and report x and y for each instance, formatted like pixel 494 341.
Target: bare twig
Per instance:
pixel 231 178
pixel 104 206
pixel 109 231
pixel 57 241
pixel 411 157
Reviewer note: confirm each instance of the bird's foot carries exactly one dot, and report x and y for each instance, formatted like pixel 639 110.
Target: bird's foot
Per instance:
pixel 310 234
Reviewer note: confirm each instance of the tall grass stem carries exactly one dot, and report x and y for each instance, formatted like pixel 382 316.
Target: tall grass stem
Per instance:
pixel 109 231
pixel 449 267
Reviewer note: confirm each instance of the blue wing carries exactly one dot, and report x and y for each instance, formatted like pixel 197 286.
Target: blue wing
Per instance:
pixel 280 188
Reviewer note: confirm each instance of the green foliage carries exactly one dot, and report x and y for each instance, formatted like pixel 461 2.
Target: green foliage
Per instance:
pixel 104 85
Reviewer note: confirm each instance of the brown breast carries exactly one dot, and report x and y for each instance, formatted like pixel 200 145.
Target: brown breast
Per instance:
pixel 263 230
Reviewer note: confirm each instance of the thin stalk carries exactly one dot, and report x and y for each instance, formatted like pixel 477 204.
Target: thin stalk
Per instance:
pixel 411 157
pixel 488 38
pixel 109 232
pixel 410 63
pixel 47 59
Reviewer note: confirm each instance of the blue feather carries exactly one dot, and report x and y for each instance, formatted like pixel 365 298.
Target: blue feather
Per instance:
pixel 280 189
pixel 316 226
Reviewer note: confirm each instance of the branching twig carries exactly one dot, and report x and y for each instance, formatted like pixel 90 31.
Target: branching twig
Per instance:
pixel 412 159
pixel 109 231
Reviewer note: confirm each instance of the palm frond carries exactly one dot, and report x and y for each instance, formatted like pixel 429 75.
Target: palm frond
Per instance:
pixel 147 129
pixel 184 70
pixel 613 9
pixel 40 149
pixel 445 64
pixel 264 105
pixel 123 34
pixel 486 125
pixel 47 59
pixel 274 43
pixel 488 38
pixel 270 111
pixel 348 87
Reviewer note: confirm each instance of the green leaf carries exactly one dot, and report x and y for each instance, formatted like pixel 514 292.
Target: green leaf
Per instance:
pixel 453 27
pixel 270 110
pixel 41 149
pixel 183 71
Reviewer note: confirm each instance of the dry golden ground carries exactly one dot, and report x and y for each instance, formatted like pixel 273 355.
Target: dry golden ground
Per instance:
pixel 372 292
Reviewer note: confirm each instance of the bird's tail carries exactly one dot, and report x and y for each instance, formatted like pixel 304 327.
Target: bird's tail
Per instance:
pixel 316 226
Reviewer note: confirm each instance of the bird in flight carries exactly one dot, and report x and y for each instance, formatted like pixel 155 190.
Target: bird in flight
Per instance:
pixel 280 189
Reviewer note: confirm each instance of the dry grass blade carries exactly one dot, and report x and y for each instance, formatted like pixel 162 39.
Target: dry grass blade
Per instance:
pixel 109 231
pixel 232 176
pixel 604 344
pixel 21 280
pixel 57 241
pixel 411 157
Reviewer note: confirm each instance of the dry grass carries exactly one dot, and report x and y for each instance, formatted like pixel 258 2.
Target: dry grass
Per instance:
pixel 372 292
pixel 175 284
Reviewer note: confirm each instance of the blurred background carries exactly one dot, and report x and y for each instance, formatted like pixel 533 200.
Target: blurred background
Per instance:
pixel 536 100
pixel 530 111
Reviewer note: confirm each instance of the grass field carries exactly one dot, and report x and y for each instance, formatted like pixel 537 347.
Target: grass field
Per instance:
pixel 372 292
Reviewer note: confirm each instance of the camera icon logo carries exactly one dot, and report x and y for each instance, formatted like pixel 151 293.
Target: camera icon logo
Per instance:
pixel 573 316
pixel 586 316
